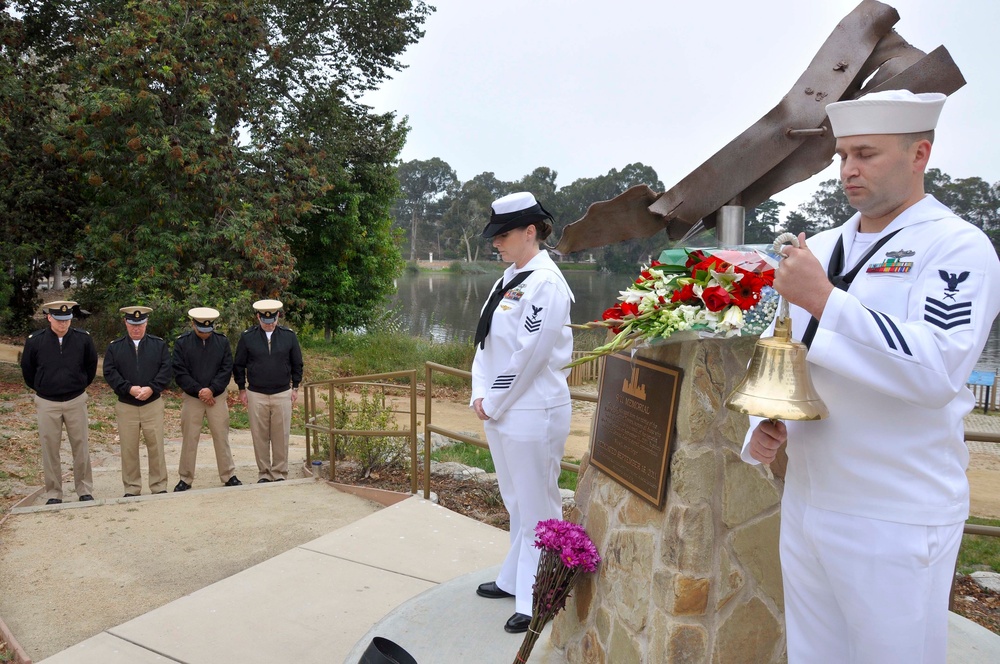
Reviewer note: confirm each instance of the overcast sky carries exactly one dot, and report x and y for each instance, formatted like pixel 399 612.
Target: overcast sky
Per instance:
pixel 584 86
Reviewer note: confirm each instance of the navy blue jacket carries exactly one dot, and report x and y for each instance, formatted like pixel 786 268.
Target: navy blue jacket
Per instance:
pixel 59 372
pixel 126 366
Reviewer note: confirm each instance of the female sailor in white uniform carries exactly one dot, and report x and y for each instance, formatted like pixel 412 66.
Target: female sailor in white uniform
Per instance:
pixel 519 388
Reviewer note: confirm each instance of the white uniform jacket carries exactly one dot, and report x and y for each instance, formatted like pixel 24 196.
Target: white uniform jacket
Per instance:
pixel 521 365
pixel 891 358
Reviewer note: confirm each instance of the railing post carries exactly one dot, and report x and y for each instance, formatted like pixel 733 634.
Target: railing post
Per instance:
pixel 428 389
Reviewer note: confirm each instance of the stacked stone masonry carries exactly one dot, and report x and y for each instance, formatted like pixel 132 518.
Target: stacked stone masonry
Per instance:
pixel 698 581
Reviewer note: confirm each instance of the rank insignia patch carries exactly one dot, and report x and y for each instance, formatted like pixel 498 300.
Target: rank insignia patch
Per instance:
pixel 533 323
pixel 942 308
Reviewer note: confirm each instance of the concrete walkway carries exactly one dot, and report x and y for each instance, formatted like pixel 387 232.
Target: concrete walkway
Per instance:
pixel 314 602
pixel 406 573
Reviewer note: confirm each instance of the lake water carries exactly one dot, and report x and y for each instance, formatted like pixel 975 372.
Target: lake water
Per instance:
pixel 445 307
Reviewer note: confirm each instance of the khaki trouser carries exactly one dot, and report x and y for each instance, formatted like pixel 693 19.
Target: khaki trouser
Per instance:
pixel 52 415
pixel 270 424
pixel 148 419
pixel 193 413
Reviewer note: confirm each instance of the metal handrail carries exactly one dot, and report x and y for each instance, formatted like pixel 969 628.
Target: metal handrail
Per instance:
pixel 313 426
pixel 430 427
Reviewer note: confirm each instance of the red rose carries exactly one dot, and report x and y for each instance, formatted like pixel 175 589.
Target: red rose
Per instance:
pixel 684 294
pixel 716 298
pixel 629 308
pixel 614 313
pixel 694 258
pixel 710 263
pixel 655 264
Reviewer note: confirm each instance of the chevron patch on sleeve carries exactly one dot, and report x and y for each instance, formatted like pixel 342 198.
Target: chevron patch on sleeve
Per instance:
pixel 533 323
pixel 948 302
pixel 947 316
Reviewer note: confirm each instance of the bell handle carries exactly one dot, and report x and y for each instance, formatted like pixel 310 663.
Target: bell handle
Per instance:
pixel 779 244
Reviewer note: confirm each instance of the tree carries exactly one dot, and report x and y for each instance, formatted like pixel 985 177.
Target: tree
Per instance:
pixel 796 223
pixel 203 132
pixel 762 222
pixel 828 207
pixel 38 221
pixel 972 199
pixel 469 211
pixel 573 200
pixel 423 184
pixel 347 253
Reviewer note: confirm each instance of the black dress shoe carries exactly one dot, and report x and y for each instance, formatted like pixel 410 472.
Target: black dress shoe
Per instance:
pixel 159 492
pixel 53 501
pixel 182 486
pixel 86 498
pixel 263 480
pixel 234 481
pixel 280 479
pixel 492 591
pixel 130 495
pixel 517 623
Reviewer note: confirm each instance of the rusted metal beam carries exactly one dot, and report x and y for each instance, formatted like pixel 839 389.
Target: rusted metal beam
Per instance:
pixel 789 144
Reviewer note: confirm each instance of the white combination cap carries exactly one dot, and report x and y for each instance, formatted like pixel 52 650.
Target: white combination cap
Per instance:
pixel 887 112
pixel 514 211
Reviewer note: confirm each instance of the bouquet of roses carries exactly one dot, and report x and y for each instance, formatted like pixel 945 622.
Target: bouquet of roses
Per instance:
pixel 566 551
pixel 713 293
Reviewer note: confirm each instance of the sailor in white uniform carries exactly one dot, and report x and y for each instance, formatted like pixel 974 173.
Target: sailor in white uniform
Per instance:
pixel 519 388
pixel 876 495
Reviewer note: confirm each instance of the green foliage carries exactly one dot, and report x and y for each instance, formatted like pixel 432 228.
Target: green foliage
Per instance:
pixel 422 184
pixel 827 208
pixel 169 317
pixel 38 197
pixel 762 222
pixel 382 350
pixel 463 267
pixel 159 142
pixel 369 412
pixel 466 454
pixel 347 255
pixel 474 456
pixel 979 552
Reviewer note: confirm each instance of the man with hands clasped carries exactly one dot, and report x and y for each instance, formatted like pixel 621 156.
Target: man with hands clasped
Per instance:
pixel 137 367
pixel 203 366
pixel 267 370
pixel 895 306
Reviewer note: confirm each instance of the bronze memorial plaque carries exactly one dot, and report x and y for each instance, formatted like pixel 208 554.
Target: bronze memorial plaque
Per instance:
pixel 636 408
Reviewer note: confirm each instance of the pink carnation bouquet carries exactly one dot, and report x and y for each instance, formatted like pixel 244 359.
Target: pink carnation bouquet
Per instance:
pixel 566 551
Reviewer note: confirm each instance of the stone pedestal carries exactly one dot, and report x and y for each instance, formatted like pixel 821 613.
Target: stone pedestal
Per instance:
pixel 700 580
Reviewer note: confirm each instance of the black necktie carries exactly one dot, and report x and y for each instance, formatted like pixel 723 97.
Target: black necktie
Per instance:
pixel 842 281
pixel 486 318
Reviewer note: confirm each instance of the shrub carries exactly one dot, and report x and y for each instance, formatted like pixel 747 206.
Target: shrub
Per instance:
pixel 368 413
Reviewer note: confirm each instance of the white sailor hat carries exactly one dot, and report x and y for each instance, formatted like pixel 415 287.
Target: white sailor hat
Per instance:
pixel 267 310
pixel 203 318
pixel 887 112
pixel 135 315
pixel 60 310
pixel 514 211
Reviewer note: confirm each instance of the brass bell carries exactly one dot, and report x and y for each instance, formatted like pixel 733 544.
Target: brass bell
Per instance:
pixel 777 384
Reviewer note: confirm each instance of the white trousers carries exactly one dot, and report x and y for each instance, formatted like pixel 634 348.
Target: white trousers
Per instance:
pixel 527 446
pixel 860 590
